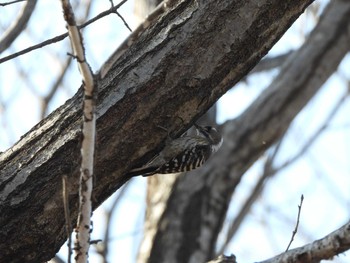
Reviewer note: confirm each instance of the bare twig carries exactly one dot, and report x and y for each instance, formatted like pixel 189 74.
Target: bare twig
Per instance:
pixel 120 16
pixel 82 241
pixel 18 25
pixel 297 224
pixel 62 36
pixel 11 2
pixel 124 21
pixel 67 216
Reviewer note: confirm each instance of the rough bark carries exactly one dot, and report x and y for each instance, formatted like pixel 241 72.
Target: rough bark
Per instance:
pixel 169 77
pixel 187 229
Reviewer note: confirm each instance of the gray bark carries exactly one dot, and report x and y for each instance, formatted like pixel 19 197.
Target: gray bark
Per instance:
pixel 169 77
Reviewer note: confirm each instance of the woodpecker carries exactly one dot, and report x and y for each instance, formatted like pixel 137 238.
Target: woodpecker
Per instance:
pixel 183 154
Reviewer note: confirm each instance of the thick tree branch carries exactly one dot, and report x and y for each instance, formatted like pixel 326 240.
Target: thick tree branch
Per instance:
pixel 171 75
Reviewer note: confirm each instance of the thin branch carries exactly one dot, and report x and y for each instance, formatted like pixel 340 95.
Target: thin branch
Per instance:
pixel 124 21
pixel 11 2
pixel 120 16
pixel 82 241
pixel 18 25
pixel 297 224
pixel 62 36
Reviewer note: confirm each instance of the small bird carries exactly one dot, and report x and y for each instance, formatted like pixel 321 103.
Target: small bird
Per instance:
pixel 183 154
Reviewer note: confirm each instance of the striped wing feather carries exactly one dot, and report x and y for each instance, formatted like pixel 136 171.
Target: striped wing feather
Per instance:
pixel 186 161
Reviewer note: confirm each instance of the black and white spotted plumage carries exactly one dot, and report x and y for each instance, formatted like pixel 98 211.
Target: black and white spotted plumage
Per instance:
pixel 183 154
